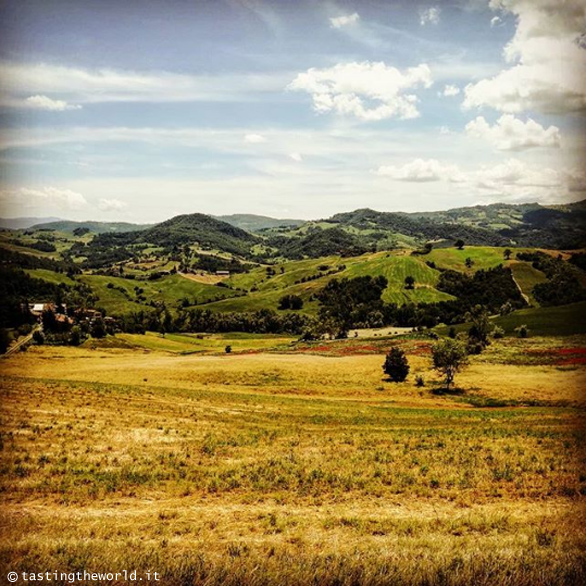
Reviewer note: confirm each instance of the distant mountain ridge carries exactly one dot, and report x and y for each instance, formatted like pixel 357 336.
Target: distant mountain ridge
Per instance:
pixel 92 226
pixel 256 223
pixel 23 223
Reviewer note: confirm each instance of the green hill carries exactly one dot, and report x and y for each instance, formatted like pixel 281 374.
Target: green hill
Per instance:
pixel 203 230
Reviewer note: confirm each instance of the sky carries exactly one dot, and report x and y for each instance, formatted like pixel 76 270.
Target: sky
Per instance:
pixel 144 109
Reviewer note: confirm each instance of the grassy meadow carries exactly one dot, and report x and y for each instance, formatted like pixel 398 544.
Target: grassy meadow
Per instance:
pixel 287 463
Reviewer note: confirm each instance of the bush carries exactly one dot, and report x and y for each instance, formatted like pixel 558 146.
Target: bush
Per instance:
pixel 396 365
pixel 498 332
pixel 522 331
pixel 228 349
pixel 419 381
pixel 38 337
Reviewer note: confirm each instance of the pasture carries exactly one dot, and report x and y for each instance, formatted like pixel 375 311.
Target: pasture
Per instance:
pixel 284 463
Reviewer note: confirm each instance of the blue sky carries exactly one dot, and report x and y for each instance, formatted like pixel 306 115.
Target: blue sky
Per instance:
pixel 140 110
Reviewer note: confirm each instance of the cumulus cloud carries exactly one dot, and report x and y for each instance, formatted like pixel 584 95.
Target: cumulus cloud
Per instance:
pixel 50 198
pixel 420 170
pixel 369 91
pixel 341 21
pixel 511 134
pixel 429 15
pixel 111 205
pixel 450 90
pixel 495 20
pixel 44 103
pixel 512 180
pixel 296 157
pixel 254 138
pixel 548 71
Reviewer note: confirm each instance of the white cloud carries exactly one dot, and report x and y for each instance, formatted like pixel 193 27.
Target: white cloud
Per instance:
pixel 429 15
pixel 510 133
pixel 111 205
pixel 44 103
pixel 47 198
pixel 296 157
pixel 82 86
pixel 450 90
pixel 512 180
pixel 495 20
pixel 549 66
pixel 420 170
pixel 254 138
pixel 369 91
pixel 345 20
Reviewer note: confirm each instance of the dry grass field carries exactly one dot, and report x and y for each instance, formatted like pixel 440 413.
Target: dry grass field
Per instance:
pixel 292 465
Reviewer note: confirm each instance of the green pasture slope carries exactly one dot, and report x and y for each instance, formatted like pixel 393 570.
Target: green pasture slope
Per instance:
pixel 563 320
pixel 122 299
pixel 392 266
pixel 195 343
pixel 50 276
pixel 527 277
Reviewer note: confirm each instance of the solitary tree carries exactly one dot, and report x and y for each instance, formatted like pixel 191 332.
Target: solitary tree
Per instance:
pixel 396 365
pixel 507 253
pixel 449 357
pixel 409 282
pixel 469 263
pixel 460 244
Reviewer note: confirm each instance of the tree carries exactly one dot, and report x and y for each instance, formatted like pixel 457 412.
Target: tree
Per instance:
pixel 396 365
pixel 409 282
pixel 449 357
pixel 480 329
pixel 75 337
pixel 469 263
pixel 98 330
pixel 460 244
pixel 507 253
pixel 290 302
pixel 5 340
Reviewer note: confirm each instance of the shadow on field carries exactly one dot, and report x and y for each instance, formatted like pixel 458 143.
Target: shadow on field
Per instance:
pixel 444 391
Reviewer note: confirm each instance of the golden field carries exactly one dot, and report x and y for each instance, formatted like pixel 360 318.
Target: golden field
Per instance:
pixel 294 464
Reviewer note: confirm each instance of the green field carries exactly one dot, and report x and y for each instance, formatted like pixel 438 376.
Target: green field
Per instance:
pixel 563 320
pixel 527 277
pixel 50 276
pixel 194 343
pixel 170 289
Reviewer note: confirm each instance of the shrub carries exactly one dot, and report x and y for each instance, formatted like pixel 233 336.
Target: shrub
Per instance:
pixel 38 337
pixel 419 381
pixel 396 365
pixel 498 332
pixel 522 331
pixel 228 349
